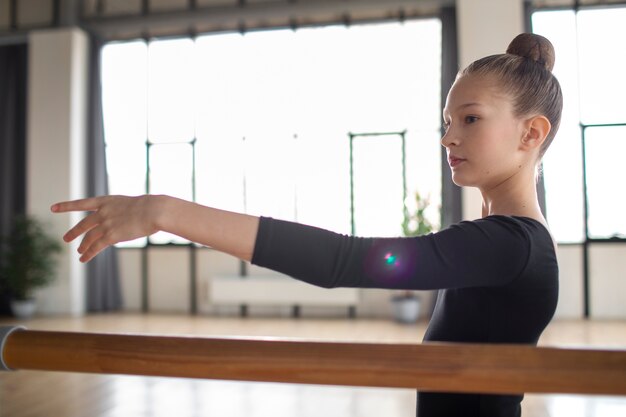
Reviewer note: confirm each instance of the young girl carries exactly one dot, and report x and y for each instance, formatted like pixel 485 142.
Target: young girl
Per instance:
pixel 497 276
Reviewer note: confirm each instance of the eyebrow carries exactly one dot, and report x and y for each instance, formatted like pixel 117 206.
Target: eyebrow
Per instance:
pixel 464 105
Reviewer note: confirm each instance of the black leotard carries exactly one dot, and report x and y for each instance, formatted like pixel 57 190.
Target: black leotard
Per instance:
pixel 497 276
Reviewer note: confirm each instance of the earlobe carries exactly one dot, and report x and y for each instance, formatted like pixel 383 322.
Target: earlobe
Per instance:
pixel 537 129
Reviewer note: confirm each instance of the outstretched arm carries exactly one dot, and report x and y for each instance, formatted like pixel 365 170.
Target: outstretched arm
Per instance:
pixel 116 219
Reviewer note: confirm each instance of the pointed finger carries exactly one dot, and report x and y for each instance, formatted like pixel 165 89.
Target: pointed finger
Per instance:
pixel 85 204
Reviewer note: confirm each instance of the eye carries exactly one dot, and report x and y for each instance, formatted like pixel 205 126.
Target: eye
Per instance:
pixel 470 119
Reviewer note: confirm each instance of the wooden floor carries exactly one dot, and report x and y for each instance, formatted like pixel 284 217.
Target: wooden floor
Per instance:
pixel 29 393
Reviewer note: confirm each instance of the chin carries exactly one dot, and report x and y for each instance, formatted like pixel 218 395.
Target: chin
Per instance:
pixel 465 182
pixel 460 181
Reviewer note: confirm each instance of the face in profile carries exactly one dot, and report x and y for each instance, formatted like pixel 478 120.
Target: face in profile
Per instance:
pixel 483 135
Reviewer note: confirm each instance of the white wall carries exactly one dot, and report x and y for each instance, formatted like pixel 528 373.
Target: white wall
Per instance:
pixel 56 132
pixel 607 281
pixel 571 304
pixel 607 271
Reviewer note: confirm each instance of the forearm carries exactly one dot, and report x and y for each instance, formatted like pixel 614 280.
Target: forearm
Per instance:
pixel 311 254
pixel 226 231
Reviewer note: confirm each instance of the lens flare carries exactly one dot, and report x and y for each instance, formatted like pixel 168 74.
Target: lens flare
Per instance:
pixel 390 258
pixel 391 262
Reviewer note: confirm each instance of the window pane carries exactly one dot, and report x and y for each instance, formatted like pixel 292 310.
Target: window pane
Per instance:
pixel 221 69
pixel 170 91
pixel 562 163
pixel 605 148
pixel 602 64
pixel 352 77
pixel 378 186
pixel 219 172
pixel 323 190
pixel 124 81
pixel 171 168
pixel 126 166
pixel 269 169
pixel 379 62
pixel 268 84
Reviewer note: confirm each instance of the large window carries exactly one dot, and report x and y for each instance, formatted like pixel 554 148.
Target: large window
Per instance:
pixel 260 123
pixel 584 166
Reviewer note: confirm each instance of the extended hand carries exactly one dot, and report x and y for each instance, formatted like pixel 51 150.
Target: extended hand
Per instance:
pixel 112 219
pixel 117 218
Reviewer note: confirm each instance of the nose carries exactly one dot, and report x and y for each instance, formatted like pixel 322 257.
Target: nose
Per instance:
pixel 448 138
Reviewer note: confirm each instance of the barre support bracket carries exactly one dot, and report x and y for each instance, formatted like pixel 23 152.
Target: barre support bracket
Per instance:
pixel 5 331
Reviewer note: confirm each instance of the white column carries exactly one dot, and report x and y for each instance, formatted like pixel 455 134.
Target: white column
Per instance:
pixel 57 103
pixel 485 27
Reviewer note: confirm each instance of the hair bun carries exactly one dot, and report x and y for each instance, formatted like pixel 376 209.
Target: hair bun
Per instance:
pixel 535 47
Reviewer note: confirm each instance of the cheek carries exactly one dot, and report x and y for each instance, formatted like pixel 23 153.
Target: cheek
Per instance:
pixel 495 152
pixel 499 142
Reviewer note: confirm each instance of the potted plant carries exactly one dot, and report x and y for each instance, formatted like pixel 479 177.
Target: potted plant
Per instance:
pixel 406 304
pixel 28 262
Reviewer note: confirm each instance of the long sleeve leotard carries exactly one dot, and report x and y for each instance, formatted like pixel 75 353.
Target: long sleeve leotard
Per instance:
pixel 497 279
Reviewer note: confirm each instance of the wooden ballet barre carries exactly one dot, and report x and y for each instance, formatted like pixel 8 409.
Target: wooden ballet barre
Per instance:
pixel 443 367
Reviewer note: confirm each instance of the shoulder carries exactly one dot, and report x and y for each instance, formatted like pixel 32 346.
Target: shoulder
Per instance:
pixel 510 223
pixel 505 238
pixel 500 234
pixel 499 226
pixel 529 231
pixel 490 251
pixel 537 228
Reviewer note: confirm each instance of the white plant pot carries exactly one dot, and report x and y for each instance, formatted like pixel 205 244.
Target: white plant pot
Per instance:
pixel 406 310
pixel 23 309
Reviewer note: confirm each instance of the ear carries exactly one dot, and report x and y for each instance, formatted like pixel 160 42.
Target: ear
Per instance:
pixel 537 129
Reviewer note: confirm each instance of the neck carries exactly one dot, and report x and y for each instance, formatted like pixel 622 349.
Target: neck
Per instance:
pixel 517 195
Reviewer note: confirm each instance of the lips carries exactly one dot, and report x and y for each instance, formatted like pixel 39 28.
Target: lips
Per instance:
pixel 454 160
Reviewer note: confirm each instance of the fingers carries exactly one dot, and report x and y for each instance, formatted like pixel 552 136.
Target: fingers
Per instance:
pixel 97 237
pixel 85 204
pixel 95 249
pixel 87 226
pixel 93 243
pixel 81 227
pixel 92 236
pixel 88 256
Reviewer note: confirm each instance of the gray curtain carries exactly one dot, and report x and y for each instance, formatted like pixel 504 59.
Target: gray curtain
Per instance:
pixel 103 281
pixel 13 73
